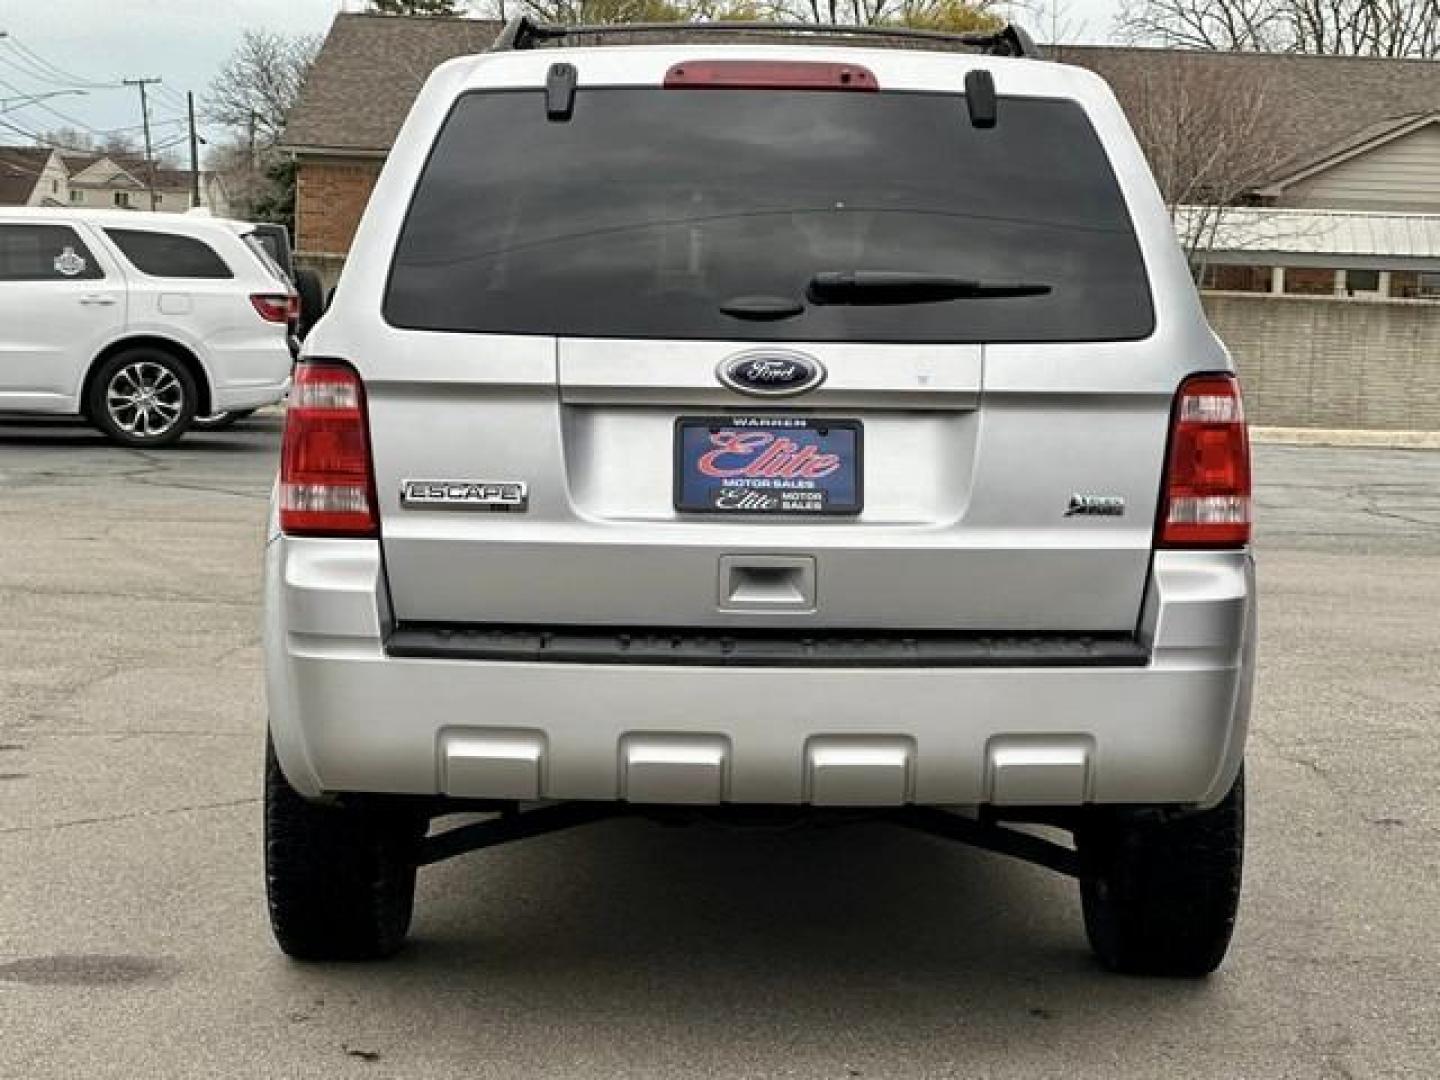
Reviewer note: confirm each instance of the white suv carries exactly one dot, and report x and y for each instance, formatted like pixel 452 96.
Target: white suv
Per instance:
pixel 139 322
pixel 761 431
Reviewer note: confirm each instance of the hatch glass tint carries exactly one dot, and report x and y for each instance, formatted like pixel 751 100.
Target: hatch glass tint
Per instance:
pixel 650 210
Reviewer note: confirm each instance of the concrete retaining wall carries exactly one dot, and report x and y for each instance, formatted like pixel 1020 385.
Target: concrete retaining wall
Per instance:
pixel 1315 362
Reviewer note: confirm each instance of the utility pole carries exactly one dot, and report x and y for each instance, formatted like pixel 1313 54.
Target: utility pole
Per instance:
pixel 145 122
pixel 194 150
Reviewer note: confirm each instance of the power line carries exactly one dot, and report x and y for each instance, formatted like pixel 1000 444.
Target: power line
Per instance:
pixel 28 72
pixel 45 142
pixel 174 98
pixel 11 165
pixel 168 122
pixel 67 78
pixel 50 109
pixel 80 125
pixel 30 99
pixel 32 65
pixel 23 68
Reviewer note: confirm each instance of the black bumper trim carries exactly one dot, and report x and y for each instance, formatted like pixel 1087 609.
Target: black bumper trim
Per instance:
pixel 714 647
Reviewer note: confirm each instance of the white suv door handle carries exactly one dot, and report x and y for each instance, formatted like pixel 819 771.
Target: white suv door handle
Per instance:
pixel 97 298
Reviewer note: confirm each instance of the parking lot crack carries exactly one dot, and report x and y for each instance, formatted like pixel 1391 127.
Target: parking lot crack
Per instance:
pixel 1369 497
pixel 1292 757
pixel 105 594
pixel 148 480
pixel 109 818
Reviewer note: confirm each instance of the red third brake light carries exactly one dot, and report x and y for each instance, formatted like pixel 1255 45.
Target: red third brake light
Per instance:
pixel 1206 501
pixel 770 75
pixel 325 473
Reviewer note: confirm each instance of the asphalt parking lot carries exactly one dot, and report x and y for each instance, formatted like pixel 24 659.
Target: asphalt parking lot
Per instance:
pixel 133 941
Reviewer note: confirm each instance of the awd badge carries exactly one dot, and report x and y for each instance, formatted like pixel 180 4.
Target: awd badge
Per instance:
pixel 1095 506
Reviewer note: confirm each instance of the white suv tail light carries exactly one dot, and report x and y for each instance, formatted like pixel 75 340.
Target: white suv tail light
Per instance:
pixel 326 480
pixel 1206 501
pixel 276 307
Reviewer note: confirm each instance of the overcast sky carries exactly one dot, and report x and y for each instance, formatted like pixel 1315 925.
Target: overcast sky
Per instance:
pixel 183 42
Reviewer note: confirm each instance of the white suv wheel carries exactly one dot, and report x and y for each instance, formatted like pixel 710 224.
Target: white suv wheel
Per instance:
pixel 143 397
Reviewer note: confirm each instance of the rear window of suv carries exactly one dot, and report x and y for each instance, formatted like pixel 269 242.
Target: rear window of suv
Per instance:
pixel 650 208
pixel 169 255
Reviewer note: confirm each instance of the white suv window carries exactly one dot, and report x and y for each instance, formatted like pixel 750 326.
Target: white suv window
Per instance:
pixel 45 253
pixel 168 255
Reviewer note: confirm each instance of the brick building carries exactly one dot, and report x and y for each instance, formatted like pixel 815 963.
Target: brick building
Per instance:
pixel 351 107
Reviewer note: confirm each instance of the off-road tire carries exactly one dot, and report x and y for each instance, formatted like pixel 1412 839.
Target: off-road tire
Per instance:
pixel 340 879
pixel 1160 889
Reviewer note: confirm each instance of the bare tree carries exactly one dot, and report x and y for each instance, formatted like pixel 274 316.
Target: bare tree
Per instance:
pixel 596 11
pixel 259 83
pixel 119 142
pixel 66 138
pixel 1209 143
pixel 1394 28
pixel 252 96
pixel 957 15
pixel 931 14
pixel 1055 21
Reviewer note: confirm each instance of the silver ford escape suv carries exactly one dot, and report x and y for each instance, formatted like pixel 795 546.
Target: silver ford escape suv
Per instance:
pixel 749 429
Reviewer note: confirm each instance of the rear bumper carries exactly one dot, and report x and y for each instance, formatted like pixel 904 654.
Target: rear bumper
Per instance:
pixel 248 371
pixel 346 716
pixel 250 397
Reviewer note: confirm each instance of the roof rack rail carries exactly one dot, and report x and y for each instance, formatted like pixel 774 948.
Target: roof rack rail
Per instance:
pixel 522 32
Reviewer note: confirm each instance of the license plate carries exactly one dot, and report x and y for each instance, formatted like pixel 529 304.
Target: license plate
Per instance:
pixel 768 465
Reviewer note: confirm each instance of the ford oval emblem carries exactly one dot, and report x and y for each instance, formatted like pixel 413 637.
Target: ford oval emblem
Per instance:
pixel 771 372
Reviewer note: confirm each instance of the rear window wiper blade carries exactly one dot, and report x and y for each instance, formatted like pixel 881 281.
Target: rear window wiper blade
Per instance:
pixel 903 287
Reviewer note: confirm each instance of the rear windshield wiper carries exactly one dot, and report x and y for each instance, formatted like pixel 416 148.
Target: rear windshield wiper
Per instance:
pixel 902 287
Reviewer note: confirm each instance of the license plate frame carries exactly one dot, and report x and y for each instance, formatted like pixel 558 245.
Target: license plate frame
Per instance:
pixel 694 493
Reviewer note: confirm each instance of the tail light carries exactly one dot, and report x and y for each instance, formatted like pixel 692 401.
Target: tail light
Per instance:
pixel 326 485
pixel 1206 501
pixel 276 307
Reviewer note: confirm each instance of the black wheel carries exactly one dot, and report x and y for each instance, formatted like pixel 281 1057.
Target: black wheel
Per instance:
pixel 220 421
pixel 340 880
pixel 142 397
pixel 312 299
pixel 1160 892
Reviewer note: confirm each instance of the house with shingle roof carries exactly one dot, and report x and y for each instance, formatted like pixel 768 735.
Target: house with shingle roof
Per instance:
pixel 354 100
pixel 1353 134
pixel 1348 201
pixel 122 181
pixel 31 176
pixel 41 176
